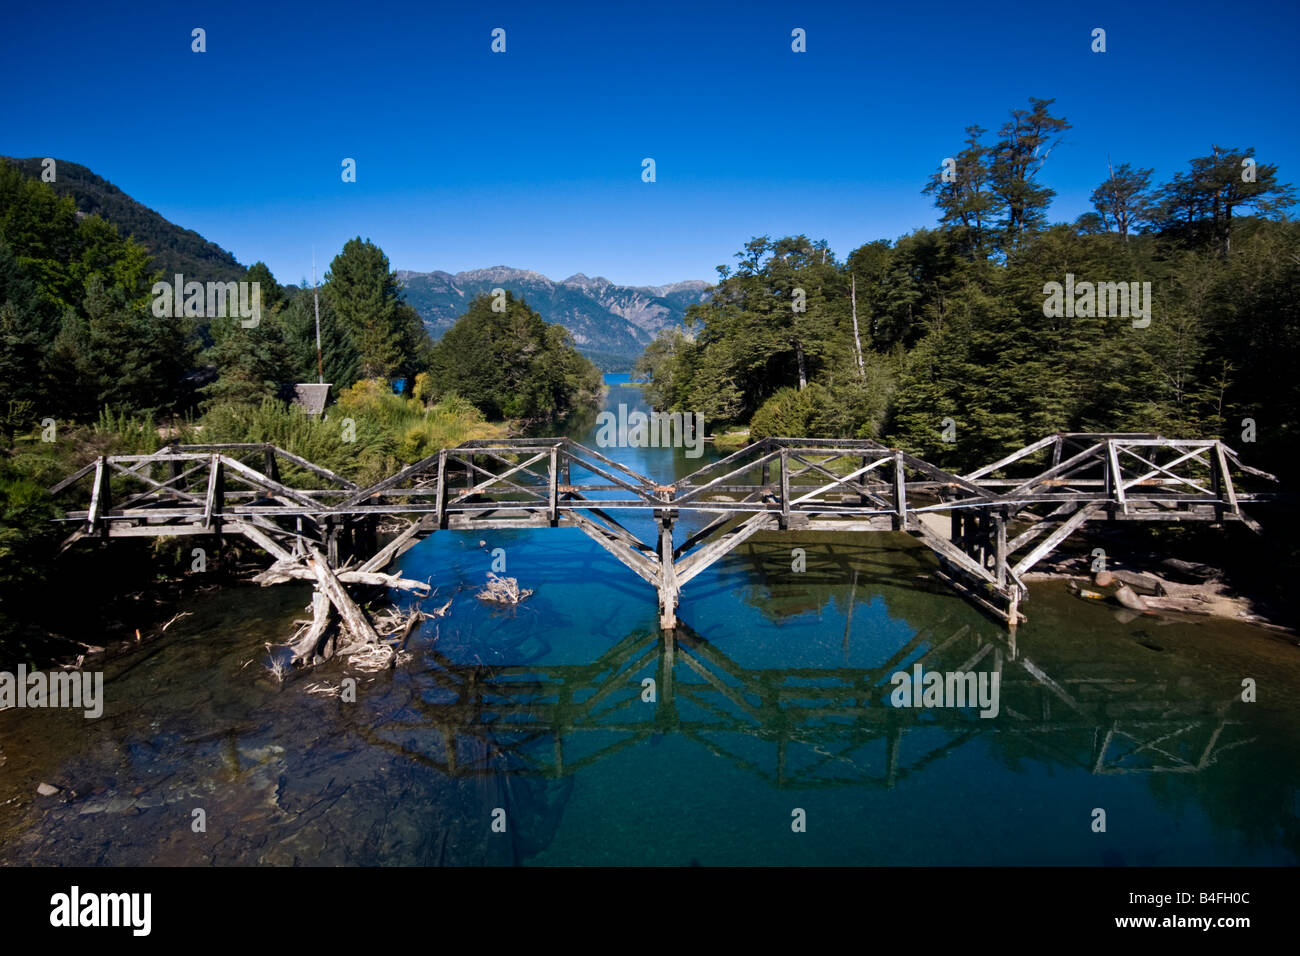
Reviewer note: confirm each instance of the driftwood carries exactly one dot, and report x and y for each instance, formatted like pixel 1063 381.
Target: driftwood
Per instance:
pixel 310 644
pixel 283 571
pixel 501 590
pixel 1142 583
pixel 355 622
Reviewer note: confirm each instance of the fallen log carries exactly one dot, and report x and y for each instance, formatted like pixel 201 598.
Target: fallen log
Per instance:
pixel 355 622
pixel 309 645
pixel 1142 583
pixel 282 571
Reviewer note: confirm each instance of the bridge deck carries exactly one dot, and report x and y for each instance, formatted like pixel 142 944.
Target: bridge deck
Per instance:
pixel 289 506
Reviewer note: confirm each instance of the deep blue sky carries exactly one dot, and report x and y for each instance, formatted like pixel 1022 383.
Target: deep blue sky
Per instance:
pixel 532 158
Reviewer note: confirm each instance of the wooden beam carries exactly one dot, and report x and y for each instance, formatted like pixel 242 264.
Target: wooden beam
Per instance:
pixel 1089 452
pixel 99 495
pixel 1067 528
pixel 690 566
pixel 381 558
pixel 1013 457
pixel 212 504
pixel 646 569
pixel 262 540
pixel 1116 475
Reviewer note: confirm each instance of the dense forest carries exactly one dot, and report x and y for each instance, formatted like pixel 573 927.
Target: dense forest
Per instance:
pixel 953 323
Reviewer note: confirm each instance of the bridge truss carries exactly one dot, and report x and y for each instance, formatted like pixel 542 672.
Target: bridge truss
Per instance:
pixel 988 528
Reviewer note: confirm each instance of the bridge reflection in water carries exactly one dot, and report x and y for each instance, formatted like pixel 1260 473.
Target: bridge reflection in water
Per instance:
pixel 797 727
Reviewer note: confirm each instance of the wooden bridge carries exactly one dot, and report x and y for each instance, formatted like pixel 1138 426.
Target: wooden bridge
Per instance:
pixel 988 527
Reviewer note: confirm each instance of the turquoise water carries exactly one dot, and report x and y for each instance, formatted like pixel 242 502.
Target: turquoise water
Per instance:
pixel 772 700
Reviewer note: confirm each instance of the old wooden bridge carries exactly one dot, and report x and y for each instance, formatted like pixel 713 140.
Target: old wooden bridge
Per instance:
pixel 988 527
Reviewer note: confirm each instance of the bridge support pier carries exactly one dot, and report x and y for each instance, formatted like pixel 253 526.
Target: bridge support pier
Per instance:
pixel 669 590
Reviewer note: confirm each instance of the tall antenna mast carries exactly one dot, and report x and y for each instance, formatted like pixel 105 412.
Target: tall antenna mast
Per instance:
pixel 315 294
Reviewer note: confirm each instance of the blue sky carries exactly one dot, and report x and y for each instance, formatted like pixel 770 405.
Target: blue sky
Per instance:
pixel 532 158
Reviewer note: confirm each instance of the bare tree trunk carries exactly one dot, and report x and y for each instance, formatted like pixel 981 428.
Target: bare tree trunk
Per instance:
pixel 857 340
pixel 803 371
pixel 309 645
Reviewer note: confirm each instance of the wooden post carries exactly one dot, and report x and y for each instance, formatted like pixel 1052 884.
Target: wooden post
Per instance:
pixel 1000 553
pixel 440 499
pixel 100 496
pixel 554 500
pixel 785 487
pixel 1225 487
pixel 330 529
pixel 900 492
pixel 215 500
pixel 668 589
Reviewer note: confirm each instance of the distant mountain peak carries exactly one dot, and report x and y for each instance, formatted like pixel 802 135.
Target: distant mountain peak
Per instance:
pixel 500 274
pixel 586 282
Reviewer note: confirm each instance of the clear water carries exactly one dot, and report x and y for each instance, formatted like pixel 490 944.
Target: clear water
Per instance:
pixel 772 700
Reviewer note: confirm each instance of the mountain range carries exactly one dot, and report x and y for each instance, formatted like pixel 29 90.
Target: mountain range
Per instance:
pixel 611 324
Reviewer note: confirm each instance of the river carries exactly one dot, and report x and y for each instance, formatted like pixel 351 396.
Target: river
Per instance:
pixel 563 732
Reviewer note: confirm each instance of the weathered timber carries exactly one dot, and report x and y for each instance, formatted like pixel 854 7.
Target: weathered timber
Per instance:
pixel 824 484
pixel 355 621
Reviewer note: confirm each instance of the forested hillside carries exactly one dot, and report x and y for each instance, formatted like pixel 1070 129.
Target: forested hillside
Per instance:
pixel 957 322
pixel 171 248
